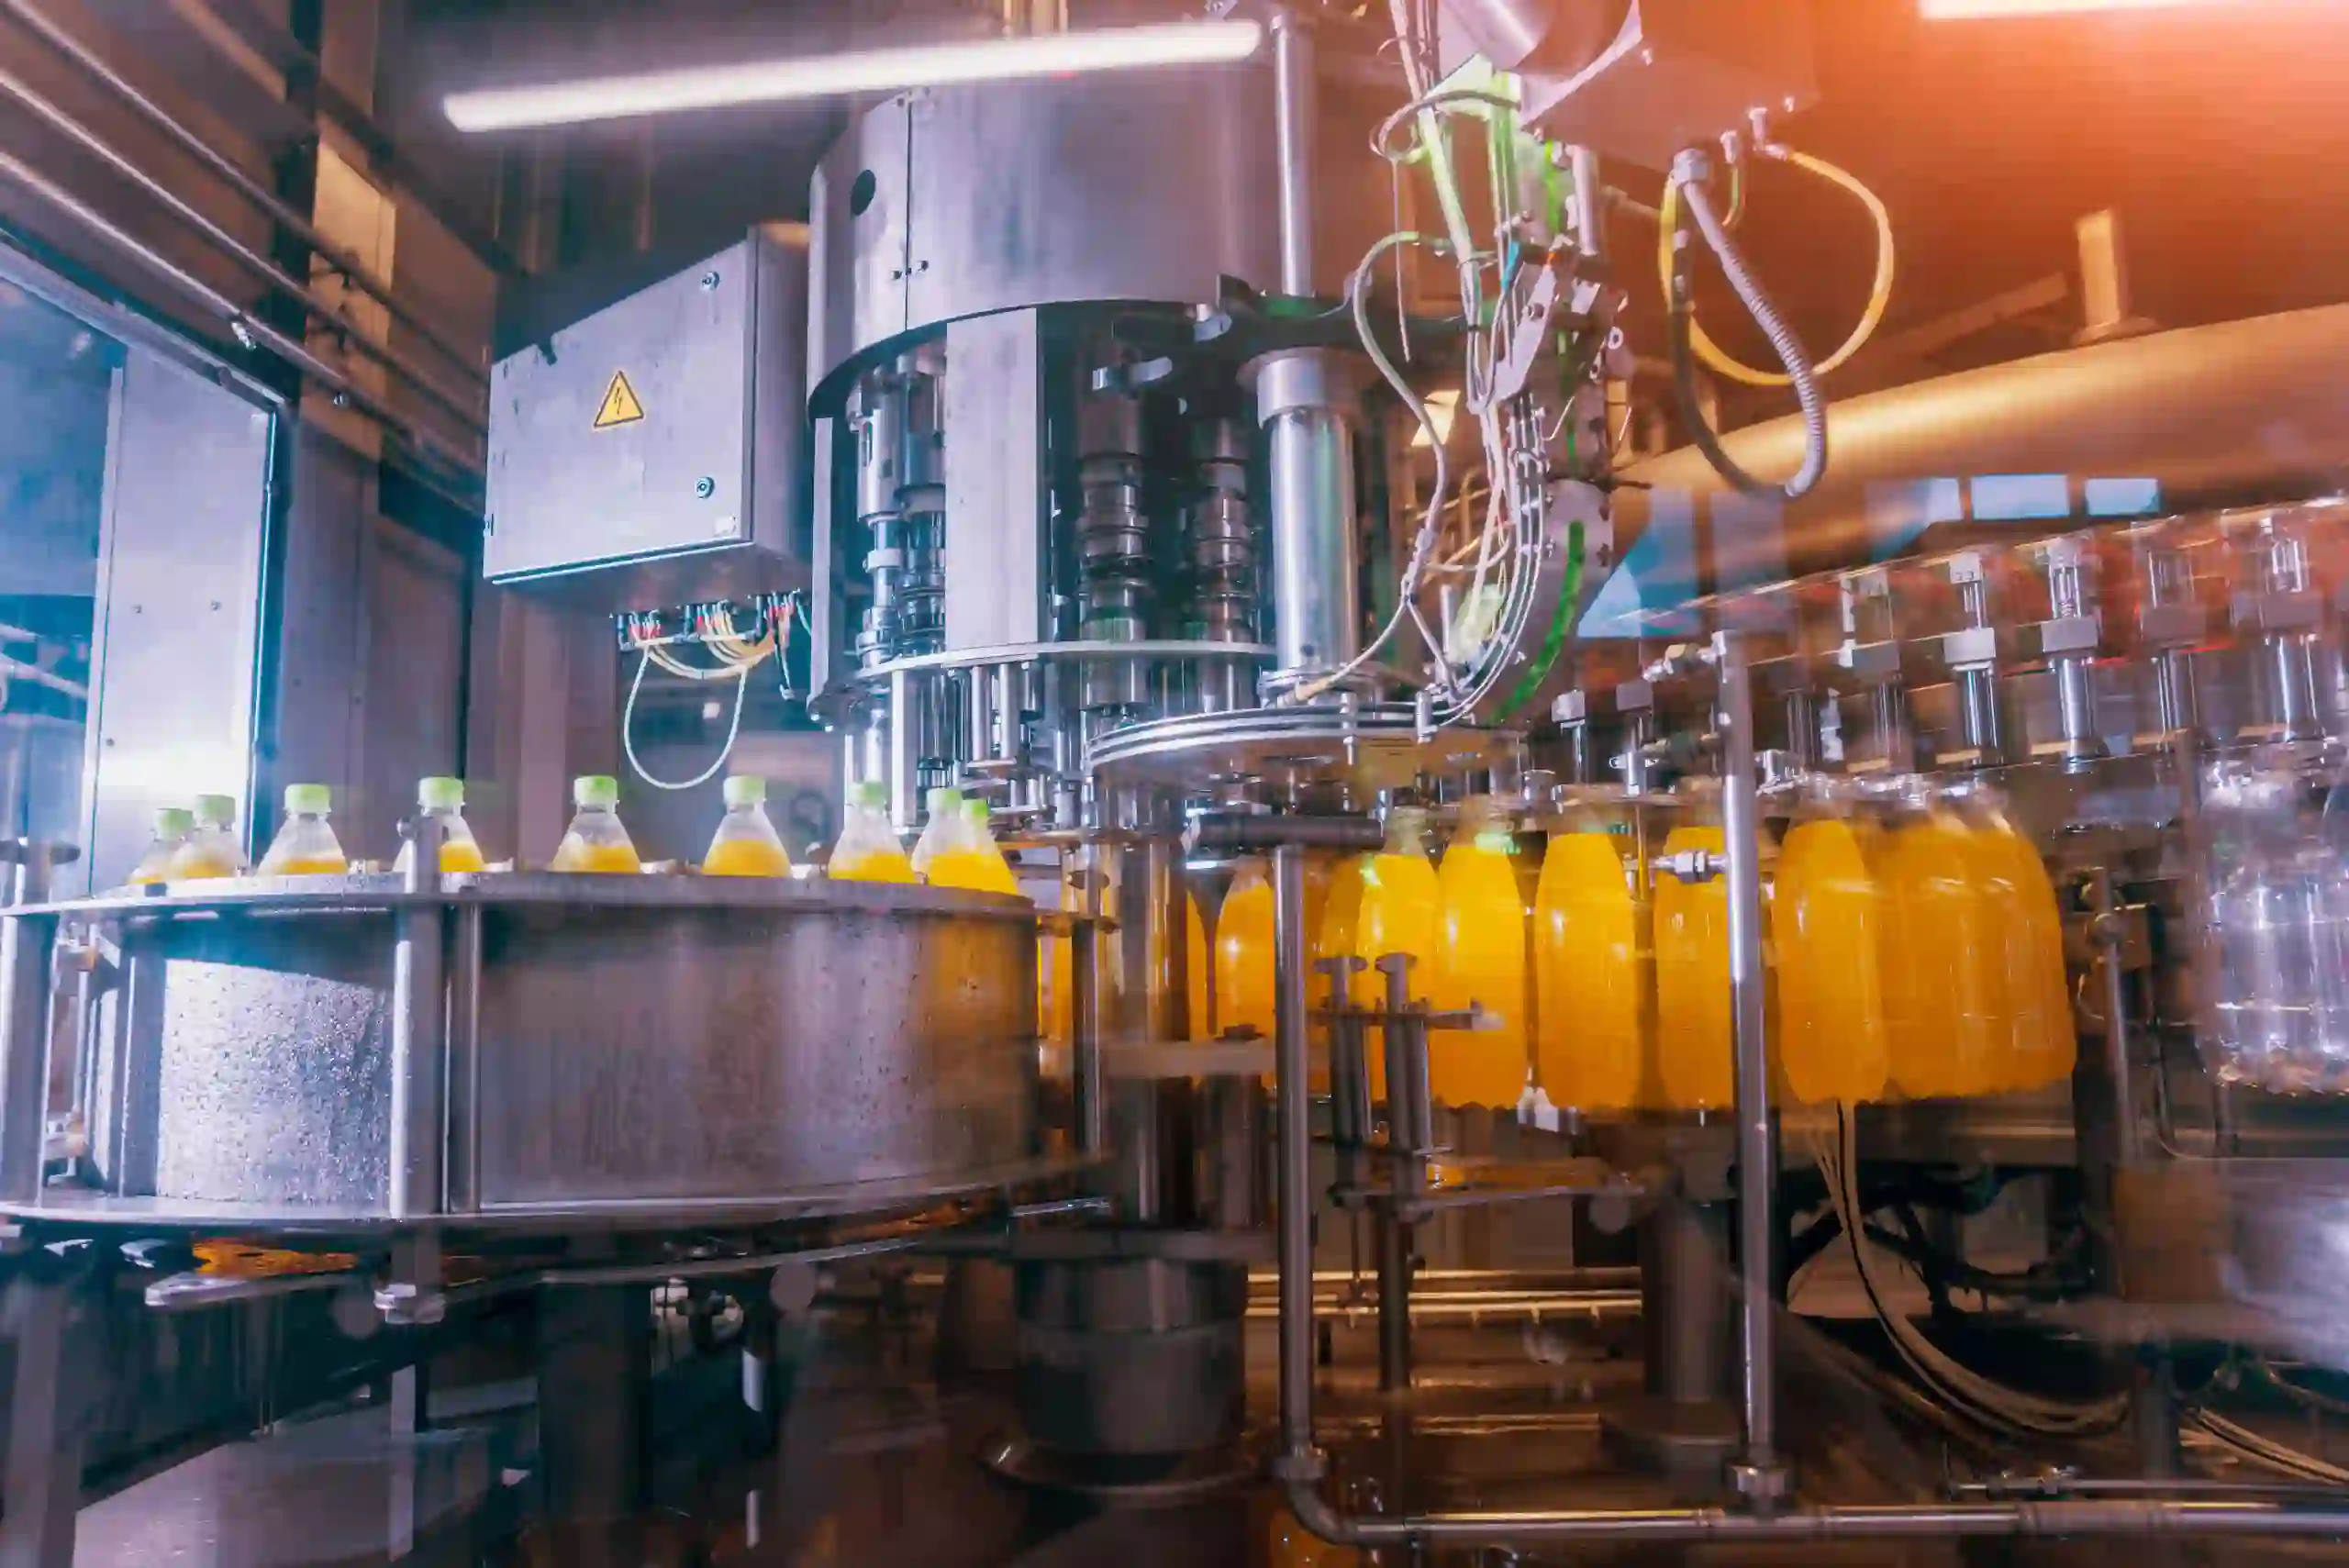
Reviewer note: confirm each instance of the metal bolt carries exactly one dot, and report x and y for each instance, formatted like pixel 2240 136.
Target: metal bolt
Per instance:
pixel 709 281
pixel 705 487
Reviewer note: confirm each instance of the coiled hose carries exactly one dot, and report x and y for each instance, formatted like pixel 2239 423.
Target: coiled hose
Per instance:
pixel 1687 177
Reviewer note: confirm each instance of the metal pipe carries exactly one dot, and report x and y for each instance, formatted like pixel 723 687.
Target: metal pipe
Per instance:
pixel 1084 1023
pixel 360 275
pixel 1757 1154
pixel 467 411
pixel 418 1135
pixel 1294 108
pixel 228 310
pixel 2110 936
pixel 2060 1517
pixel 1294 1197
pixel 1236 832
pixel 1316 588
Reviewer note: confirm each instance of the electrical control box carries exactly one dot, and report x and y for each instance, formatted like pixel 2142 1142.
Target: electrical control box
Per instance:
pixel 655 451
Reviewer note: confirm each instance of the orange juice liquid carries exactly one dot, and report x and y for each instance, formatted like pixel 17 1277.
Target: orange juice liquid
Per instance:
pixel 1694 1065
pixel 608 858
pixel 461 858
pixel 1945 983
pixel 981 870
pixel 193 864
pixel 1829 918
pixel 1243 955
pixel 1198 962
pixel 735 857
pixel 877 865
pixel 1590 976
pixel 311 865
pixel 1401 912
pixel 1480 958
pixel 2037 986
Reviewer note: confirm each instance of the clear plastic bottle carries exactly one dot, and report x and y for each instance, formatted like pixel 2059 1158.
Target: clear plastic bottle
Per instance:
pixel 746 843
pixel 2278 1017
pixel 173 826
pixel 972 859
pixel 306 845
pixel 1834 1045
pixel 868 849
pixel 1592 971
pixel 212 850
pixel 1480 958
pixel 444 800
pixel 595 841
pixel 1401 911
pixel 943 829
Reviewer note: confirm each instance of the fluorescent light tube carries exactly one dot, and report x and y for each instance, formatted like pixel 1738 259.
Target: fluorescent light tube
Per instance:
pixel 866 71
pixel 1959 10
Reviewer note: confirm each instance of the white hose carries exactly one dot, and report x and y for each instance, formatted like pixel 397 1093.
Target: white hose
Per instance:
pixel 627 728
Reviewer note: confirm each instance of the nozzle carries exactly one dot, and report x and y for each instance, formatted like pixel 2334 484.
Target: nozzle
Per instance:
pixel 308 799
pixel 741 789
pixel 600 791
pixel 441 795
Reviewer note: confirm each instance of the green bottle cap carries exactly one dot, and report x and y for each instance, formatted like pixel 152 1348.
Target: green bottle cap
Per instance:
pixel 1496 841
pixel 173 822
pixel 219 810
pixel 872 795
pixel 976 811
pixel 596 789
pixel 308 799
pixel 441 795
pixel 941 801
pixel 741 789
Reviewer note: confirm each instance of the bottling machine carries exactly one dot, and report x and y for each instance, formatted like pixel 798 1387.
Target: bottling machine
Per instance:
pixel 1912 991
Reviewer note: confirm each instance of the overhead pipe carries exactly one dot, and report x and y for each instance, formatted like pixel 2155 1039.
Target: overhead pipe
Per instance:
pixel 361 276
pixel 239 319
pixel 466 411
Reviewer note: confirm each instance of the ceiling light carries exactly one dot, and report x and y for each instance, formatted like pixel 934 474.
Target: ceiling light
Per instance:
pixel 841 75
pixel 1958 10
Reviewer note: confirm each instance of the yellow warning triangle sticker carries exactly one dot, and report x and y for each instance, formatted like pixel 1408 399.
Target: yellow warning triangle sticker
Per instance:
pixel 620 406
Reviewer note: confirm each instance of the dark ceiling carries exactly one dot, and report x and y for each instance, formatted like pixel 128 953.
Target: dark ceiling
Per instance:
pixel 2215 130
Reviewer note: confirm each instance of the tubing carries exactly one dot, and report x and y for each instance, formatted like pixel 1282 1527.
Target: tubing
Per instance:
pixel 1292 1088
pixel 361 276
pixel 1879 292
pixel 1687 171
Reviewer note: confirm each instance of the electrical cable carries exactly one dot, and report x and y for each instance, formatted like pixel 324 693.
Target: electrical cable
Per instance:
pixel 1712 354
pixel 1687 171
pixel 742 674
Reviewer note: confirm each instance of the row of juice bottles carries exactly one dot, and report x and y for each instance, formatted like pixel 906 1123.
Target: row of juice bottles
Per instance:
pixel 1914 947
pixel 957 848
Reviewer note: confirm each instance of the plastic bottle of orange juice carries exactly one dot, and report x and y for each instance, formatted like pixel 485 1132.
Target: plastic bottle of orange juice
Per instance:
pixel 1401 912
pixel 868 849
pixel 172 825
pixel 746 843
pixel 970 857
pixel 306 845
pixel 1695 1068
pixel 1243 952
pixel 2041 1045
pixel 944 806
pixel 595 841
pixel 1945 983
pixel 1593 969
pixel 444 800
pixel 1480 958
pixel 1830 918
pixel 211 850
